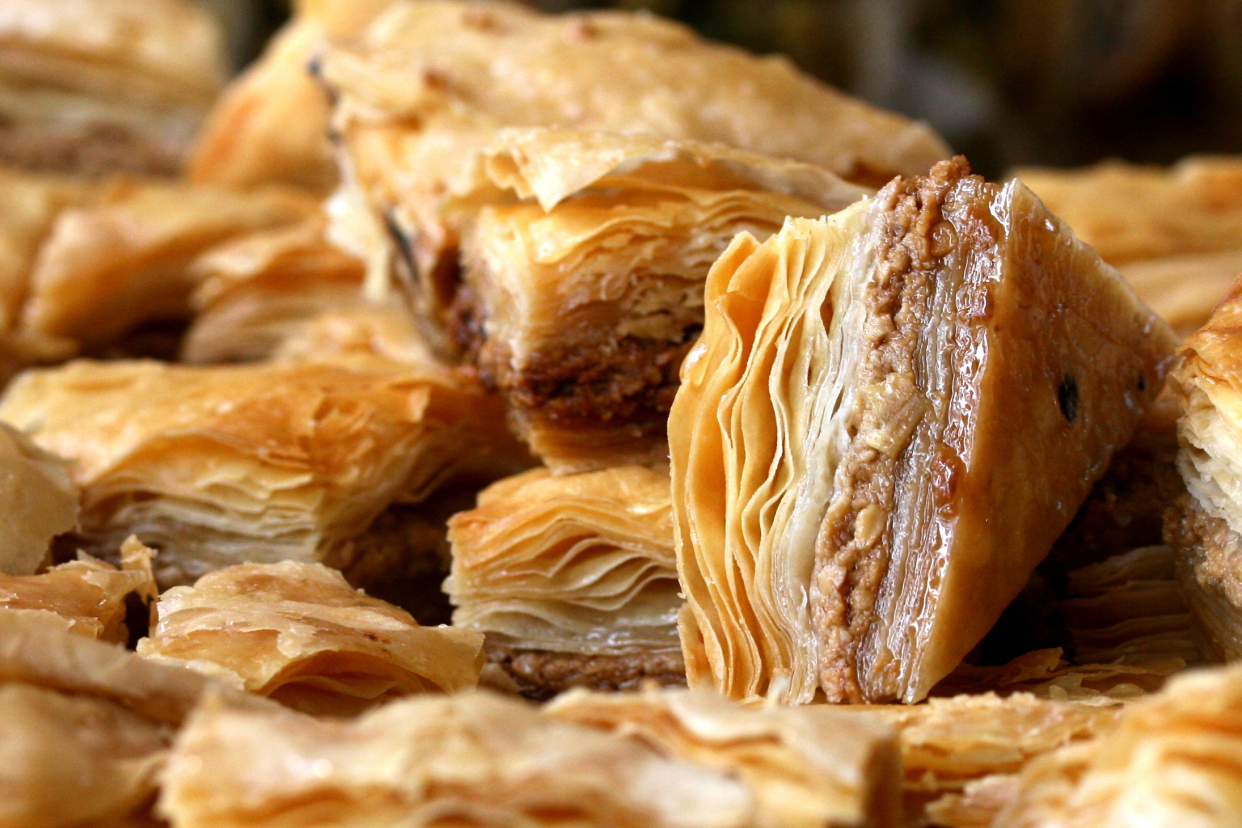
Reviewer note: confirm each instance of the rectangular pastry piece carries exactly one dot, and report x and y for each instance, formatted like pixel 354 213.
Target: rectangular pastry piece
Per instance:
pixel 300 634
pixel 481 759
pixel 1172 759
pixel 805 766
pixel 428 84
pixel 1204 525
pixel 94 86
pixel 216 465
pixel 38 499
pixel 583 275
pixel 572 579
pixel 92 595
pixel 125 259
pixel 890 416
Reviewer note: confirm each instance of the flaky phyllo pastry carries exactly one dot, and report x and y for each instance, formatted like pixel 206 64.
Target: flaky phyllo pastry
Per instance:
pixel 479 759
pixel 890 416
pixel 1173 759
pixel 805 765
pixel 90 594
pixel 584 269
pixel 126 258
pixel 85 726
pixel 1204 525
pixel 300 634
pixel 571 578
pixel 99 85
pixel 428 84
pixel 37 498
pixel 220 465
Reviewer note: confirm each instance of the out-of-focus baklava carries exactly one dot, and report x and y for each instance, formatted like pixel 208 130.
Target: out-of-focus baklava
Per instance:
pixel 583 275
pixel 572 578
pixel 217 465
pixel 890 416
pixel 480 759
pixel 39 501
pixel 94 86
pixel 428 84
pixel 300 634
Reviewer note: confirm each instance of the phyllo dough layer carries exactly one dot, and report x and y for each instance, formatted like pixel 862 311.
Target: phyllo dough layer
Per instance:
pixel 479 759
pixel 93 86
pixel 572 579
pixel 38 499
pixel 88 593
pixel 806 766
pixel 890 416
pixel 300 634
pixel 219 465
pixel 428 84
pixel 583 280
pixel 1205 524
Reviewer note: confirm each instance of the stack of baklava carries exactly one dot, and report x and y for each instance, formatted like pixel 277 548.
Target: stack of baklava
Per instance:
pixel 645 361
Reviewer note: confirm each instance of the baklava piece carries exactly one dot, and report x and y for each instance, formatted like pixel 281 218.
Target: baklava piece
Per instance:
pixel 805 766
pixel 428 84
pixel 217 465
pixel 94 86
pixel 1173 759
pixel 92 595
pixel 1129 212
pixel 583 279
pixel 300 634
pixel 480 759
pixel 572 579
pixel 271 124
pixel 85 726
pixel 891 415
pixel 1185 289
pixel 38 500
pixel 1204 524
pixel 125 260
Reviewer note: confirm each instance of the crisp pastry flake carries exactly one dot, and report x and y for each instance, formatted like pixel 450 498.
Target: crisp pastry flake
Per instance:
pixel 890 416
pixel 90 594
pixel 216 465
pixel 300 634
pixel 572 579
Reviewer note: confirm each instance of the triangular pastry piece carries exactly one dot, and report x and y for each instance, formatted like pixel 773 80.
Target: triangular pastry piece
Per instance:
pixel 39 501
pixel 890 416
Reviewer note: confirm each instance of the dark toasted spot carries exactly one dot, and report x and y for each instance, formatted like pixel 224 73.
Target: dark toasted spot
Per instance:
pixel 1067 398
